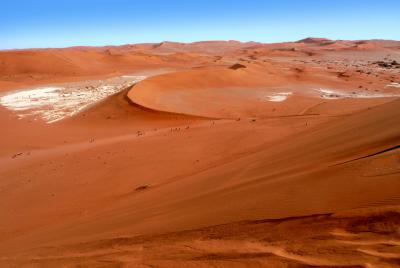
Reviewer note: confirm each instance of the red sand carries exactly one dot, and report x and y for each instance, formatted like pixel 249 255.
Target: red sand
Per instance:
pixel 205 165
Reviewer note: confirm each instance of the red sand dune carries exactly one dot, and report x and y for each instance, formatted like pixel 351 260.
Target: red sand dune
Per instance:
pixel 209 161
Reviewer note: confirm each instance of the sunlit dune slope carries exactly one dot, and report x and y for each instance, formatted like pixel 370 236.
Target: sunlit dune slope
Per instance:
pixel 221 92
pixel 69 62
pixel 324 169
pixel 251 90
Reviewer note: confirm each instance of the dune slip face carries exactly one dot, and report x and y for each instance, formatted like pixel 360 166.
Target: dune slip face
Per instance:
pixel 55 103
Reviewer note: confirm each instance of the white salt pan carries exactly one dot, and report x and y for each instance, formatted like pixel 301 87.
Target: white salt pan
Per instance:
pixel 55 103
pixel 278 97
pixel 393 85
pixel 334 94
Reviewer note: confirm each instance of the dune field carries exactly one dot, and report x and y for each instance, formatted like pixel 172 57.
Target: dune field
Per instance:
pixel 205 154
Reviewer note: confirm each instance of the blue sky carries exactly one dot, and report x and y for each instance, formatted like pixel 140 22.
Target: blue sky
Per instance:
pixel 60 23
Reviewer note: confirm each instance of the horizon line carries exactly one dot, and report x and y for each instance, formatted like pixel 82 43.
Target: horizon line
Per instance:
pixel 192 42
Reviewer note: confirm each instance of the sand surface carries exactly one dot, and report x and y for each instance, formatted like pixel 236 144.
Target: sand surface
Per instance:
pixel 209 154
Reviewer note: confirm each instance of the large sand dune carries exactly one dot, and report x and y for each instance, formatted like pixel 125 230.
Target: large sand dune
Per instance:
pixel 252 90
pixel 227 154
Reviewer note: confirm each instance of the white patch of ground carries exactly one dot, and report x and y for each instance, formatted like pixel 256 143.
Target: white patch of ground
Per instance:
pixel 56 103
pixel 397 85
pixel 278 97
pixel 129 76
pixel 336 94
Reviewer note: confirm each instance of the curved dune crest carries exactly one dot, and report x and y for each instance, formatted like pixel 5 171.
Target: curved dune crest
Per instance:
pixel 254 90
pixel 226 93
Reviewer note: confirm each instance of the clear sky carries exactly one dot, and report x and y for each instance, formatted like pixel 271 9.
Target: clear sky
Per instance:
pixel 60 23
